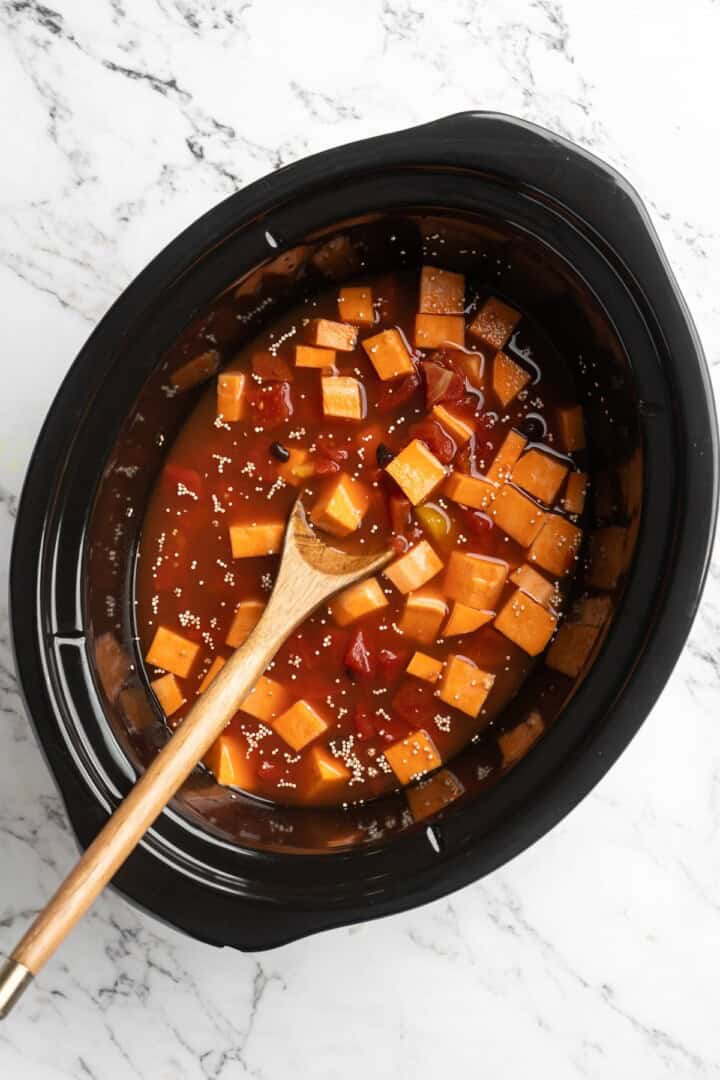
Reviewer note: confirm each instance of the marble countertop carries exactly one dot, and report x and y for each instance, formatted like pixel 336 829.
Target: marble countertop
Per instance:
pixel 594 954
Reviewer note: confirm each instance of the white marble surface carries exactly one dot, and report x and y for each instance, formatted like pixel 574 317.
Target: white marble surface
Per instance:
pixel 595 954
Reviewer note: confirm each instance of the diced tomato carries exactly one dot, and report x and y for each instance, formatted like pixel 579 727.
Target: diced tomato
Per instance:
pixel 271 404
pixel 465 459
pixel 414 703
pixel 393 729
pixel 479 523
pixel 272 368
pixel 358 655
pixel 324 466
pixel 364 726
pixel 399 512
pixel 391 663
pixel 175 475
pixel 436 439
pixel 441 383
pixel 393 394
pixel 326 446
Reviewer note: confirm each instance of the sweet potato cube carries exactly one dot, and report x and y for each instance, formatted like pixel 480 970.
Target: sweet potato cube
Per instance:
pixel 343 396
pixel 341 506
pixel 389 354
pixel 255 540
pixel 494 323
pixel 540 475
pixel 508 378
pixel 516 743
pixel 227 759
pixel 424 667
pixel 217 665
pixel 571 428
pixel 535 585
pixel 355 305
pixel 607 556
pixel 172 652
pixel 298 468
pixel 231 386
pixel 332 335
pixel 414 569
pixel 417 471
pixel 465 686
pixel 325 770
pixel 571 648
pixel 357 601
pixel 168 692
pixel 442 292
pixel 422 616
pixel 556 545
pixel 195 371
pixel 413 756
pixel 471 491
pixel 431 796
pixel 308 356
pixel 464 619
pixel 519 516
pixel 593 611
pixel 461 429
pixel 527 623
pixel 299 725
pixel 439 331
pixel 512 447
pixel 475 580
pixel 266 701
pixel 245 619
pixel 575 493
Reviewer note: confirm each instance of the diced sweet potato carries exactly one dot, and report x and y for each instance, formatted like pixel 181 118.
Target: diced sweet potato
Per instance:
pixel 475 580
pixel 442 292
pixel 298 468
pixel 355 305
pixel 231 386
pixel 431 796
pixel 527 623
pixel 464 619
pixel 332 335
pixel 571 648
pixel 607 556
pixel 575 492
pixel 424 611
pixel 424 667
pixel 343 397
pixel 517 515
pixel 195 371
pixel 389 354
pixel 255 540
pixel 494 323
pixel 508 378
pixel 461 429
pixel 471 491
pixel 512 447
pixel 266 701
pixel 593 610
pixel 172 652
pixel 413 756
pixel 308 356
pixel 417 471
pixel 245 619
pixel 571 428
pixel 227 759
pixel 535 585
pixel 341 506
pixel 299 725
pixel 169 693
pixel 216 666
pixel 439 331
pixel 357 601
pixel 540 475
pixel 516 743
pixel 465 686
pixel 556 545
pixel 326 771
pixel 415 568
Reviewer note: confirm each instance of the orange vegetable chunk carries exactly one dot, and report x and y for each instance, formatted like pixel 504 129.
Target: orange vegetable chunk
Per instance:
pixel 388 354
pixel 516 743
pixel 475 580
pixel 471 491
pixel 326 770
pixel 527 623
pixel 217 665
pixel 540 475
pixel 442 292
pixel 508 378
pixel 414 569
pixel 355 305
pixel 571 428
pixel 494 323
pixel 298 468
pixel 227 759
pixel 471 364
pixel 431 796
pixel 231 387
pixel 172 652
pixel 341 506
pixel 245 619
pixel 357 601
pixel 343 397
pixel 423 613
pixel 607 556
pixel 168 693
pixel 266 701
pixel 255 540
pixel 424 667
pixel 556 545
pixel 438 331
pixel 464 619
pixel 512 447
pixel 413 756
pixel 571 648
pixel 465 686
pixel 417 471
pixel 575 493
pixel 535 585
pixel 519 516
pixel 460 428
pixel 299 725
pixel 308 356
pixel 195 371
pixel 332 335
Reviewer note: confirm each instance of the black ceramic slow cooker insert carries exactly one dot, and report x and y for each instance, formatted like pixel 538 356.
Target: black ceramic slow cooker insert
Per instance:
pixel 566 239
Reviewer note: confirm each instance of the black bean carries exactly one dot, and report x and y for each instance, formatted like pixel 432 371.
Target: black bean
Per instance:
pixel 533 428
pixel 280 452
pixel 383 455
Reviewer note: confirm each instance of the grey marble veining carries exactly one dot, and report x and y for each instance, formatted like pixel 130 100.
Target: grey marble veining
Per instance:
pixel 596 953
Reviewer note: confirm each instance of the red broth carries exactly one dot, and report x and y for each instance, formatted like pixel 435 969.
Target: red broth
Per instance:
pixel 459 445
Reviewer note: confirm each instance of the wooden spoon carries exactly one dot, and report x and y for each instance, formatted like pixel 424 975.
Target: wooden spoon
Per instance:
pixel 309 573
